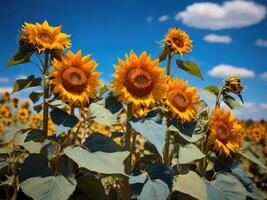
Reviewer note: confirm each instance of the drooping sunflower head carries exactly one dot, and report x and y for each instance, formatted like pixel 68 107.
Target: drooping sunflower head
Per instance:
pixel 177 41
pixel 139 80
pixel 182 101
pixel 225 132
pixel 44 37
pixel 23 114
pixel 233 84
pixel 75 79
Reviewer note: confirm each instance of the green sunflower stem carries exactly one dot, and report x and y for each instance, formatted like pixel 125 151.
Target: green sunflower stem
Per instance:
pixel 167 138
pixel 46 94
pixel 127 143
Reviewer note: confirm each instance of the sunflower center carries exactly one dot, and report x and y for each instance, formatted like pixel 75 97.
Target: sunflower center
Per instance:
pixel 178 41
pixel 178 100
pixel 139 82
pixel 222 133
pixel 74 80
pixel 45 37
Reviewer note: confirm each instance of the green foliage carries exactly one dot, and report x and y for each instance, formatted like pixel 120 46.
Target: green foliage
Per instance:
pixel 153 128
pixel 21 56
pixel 189 153
pixel 29 82
pixel 35 96
pixel 231 102
pixel 163 55
pixel 211 91
pixel 190 67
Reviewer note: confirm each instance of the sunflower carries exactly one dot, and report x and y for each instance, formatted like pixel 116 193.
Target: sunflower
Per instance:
pixel 225 132
pixel 177 41
pixel 6 95
pixel 256 132
pixel 35 121
pixel 25 104
pixel 5 111
pixel 139 80
pixel 23 114
pixel 1 128
pixel 75 79
pixel 233 84
pixel 140 111
pixel 44 37
pixel 51 127
pixel 182 101
pixel 15 102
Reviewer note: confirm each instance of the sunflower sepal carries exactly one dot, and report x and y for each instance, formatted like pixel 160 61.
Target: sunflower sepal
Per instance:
pixel 190 67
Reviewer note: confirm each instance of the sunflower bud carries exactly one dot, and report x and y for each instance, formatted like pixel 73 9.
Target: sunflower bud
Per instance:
pixel 233 84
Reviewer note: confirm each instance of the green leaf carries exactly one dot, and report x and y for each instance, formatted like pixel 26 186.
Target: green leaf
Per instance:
pixel 56 104
pixel 63 121
pixel 21 56
pixel 103 89
pixel 49 188
pixel 154 189
pixel 38 108
pixel 90 188
pixel 3 162
pixel 246 153
pixel 29 82
pixel 211 91
pixel 191 184
pixel 189 153
pixel 35 96
pixel 163 55
pixel 231 102
pixel 190 67
pixel 153 128
pixel 226 187
pixel 10 132
pixel 100 114
pixel 102 162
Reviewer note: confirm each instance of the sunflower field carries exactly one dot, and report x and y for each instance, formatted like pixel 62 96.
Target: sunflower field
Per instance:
pixel 147 135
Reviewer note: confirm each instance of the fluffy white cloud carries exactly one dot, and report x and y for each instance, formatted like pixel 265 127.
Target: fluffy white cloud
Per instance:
pixel 230 14
pixel 149 19
pixel 263 76
pixel 4 79
pixel 263 106
pixel 163 18
pixel 214 38
pixel 223 70
pixel 261 43
pixel 4 89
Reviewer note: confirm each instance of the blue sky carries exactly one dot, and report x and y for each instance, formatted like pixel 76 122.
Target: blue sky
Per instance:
pixel 228 36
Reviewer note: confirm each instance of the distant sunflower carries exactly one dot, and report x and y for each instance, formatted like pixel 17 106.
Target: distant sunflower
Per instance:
pixel 25 104
pixel 75 79
pixel 5 111
pixel 225 132
pixel 6 95
pixel 36 121
pixel 177 41
pixel 2 127
pixel 23 114
pixel 139 80
pixel 182 101
pixel 256 132
pixel 45 37
pixel 15 102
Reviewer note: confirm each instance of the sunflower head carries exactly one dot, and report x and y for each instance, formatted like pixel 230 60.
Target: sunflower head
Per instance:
pixel 15 102
pixel 5 111
pixel 35 121
pixel 6 96
pixel 75 79
pixel 182 101
pixel 23 114
pixel 225 132
pixel 177 41
pixel 233 84
pixel 25 104
pixel 256 132
pixel 138 80
pixel 43 37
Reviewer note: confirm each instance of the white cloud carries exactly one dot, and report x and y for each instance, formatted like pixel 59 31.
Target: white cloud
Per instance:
pixel 163 18
pixel 21 76
pixel 4 79
pixel 261 43
pixel 4 89
pixel 230 14
pixel 149 19
pixel 214 38
pixel 223 70
pixel 263 76
pixel 263 106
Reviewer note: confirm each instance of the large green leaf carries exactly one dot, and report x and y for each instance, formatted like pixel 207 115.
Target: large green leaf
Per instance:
pixel 49 188
pixel 35 96
pixel 102 162
pixel 190 67
pixel 29 82
pixel 189 153
pixel 231 102
pixel 153 128
pixel 226 187
pixel 211 91
pixel 63 121
pixel 154 189
pixel 21 56
pixel 163 55
pixel 10 132
pixel 100 114
pixel 3 162
pixel 191 184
